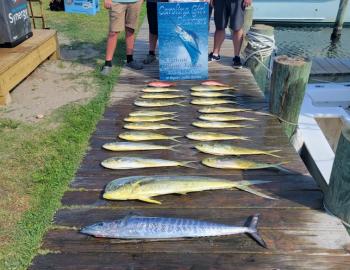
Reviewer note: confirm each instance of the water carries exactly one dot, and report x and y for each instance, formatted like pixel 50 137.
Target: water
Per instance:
pixel 312 42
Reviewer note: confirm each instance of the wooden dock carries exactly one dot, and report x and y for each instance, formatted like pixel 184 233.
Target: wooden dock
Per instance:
pixel 330 66
pixel 17 63
pixel 298 233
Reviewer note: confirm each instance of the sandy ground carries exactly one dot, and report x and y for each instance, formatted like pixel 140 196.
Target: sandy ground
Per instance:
pixel 52 85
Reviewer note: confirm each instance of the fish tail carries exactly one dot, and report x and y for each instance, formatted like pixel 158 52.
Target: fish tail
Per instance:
pixel 245 139
pixel 282 169
pixel 252 225
pixel 178 128
pixel 185 164
pixel 270 153
pixel 173 138
pixel 175 118
pixel 172 148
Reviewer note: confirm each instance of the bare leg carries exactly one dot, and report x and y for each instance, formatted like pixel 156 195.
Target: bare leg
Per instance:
pixel 152 42
pixel 111 45
pixel 219 38
pixel 237 38
pixel 130 40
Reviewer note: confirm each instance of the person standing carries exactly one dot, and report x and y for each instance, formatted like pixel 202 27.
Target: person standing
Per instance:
pixel 229 12
pixel 123 15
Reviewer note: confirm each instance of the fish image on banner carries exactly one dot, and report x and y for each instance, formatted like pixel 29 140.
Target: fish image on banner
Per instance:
pixel 183 41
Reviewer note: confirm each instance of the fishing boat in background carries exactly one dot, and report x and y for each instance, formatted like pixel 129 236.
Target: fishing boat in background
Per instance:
pixel 297 12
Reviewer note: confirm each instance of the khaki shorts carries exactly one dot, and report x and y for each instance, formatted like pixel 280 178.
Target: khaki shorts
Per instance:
pixel 123 15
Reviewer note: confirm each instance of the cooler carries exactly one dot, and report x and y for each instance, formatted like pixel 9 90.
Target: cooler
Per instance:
pixel 90 7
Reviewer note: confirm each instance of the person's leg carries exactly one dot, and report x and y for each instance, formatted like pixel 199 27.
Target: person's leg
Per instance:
pixel 237 38
pixel 111 45
pixel 153 32
pixel 236 25
pixel 131 21
pixel 219 38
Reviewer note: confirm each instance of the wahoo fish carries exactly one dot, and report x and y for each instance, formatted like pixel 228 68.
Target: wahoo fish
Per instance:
pixel 136 119
pixel 157 103
pixel 214 83
pixel 213 136
pixel 134 146
pixel 161 84
pixel 199 88
pixel 159 90
pixel 210 94
pixel 150 113
pixel 210 101
pixel 145 136
pixel 224 117
pixel 149 126
pixel 240 164
pixel 141 227
pixel 189 40
pixel 210 124
pixel 220 149
pixel 160 96
pixel 220 109
pixel 144 188
pixel 125 163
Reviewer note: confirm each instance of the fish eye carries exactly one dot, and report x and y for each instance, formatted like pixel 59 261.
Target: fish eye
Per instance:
pixel 99 224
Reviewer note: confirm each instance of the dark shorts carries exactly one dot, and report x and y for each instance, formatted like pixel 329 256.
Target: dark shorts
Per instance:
pixel 152 17
pixel 228 12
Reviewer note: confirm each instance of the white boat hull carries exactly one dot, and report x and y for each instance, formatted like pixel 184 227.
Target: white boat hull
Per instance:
pixel 297 11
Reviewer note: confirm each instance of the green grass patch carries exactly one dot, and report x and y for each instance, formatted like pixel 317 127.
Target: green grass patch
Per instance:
pixel 39 161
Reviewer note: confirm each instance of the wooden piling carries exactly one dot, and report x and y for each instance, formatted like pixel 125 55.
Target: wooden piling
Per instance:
pixel 248 18
pixel 288 83
pixel 340 19
pixel 337 199
pixel 257 64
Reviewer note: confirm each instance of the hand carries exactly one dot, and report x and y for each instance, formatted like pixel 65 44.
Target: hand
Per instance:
pixel 108 4
pixel 247 3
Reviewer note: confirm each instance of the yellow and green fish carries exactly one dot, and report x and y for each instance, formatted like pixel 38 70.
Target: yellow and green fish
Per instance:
pixel 221 109
pixel 210 101
pixel 200 88
pixel 149 126
pixel 136 136
pixel 210 94
pixel 213 136
pixel 150 113
pixel 224 117
pixel 161 96
pixel 135 146
pixel 135 119
pixel 159 90
pixel 212 124
pixel 157 103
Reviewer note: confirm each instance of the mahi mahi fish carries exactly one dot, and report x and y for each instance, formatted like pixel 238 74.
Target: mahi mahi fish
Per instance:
pixel 210 101
pixel 221 109
pixel 146 136
pixel 144 188
pixel 224 117
pixel 210 94
pixel 125 163
pixel 135 146
pixel 211 124
pixel 161 96
pixel 199 88
pixel 141 227
pixel 215 83
pixel 136 119
pixel 220 149
pixel 149 126
pixel 213 136
pixel 159 90
pixel 150 113
pixel 190 41
pixel 161 84
pixel 240 164
pixel 157 103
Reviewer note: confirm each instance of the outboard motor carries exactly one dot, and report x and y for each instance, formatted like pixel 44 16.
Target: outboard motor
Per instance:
pixel 15 24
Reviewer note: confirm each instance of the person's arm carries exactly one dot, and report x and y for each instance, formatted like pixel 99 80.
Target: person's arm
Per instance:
pixel 108 4
pixel 247 3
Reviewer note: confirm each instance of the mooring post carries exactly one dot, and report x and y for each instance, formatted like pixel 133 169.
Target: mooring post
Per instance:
pixel 288 83
pixel 258 53
pixel 340 19
pixel 337 197
pixel 248 18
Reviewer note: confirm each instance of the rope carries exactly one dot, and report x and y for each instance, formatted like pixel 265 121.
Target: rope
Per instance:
pixel 260 46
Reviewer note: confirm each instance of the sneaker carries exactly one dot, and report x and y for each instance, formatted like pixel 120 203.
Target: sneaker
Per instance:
pixel 237 64
pixel 213 58
pixel 105 70
pixel 134 65
pixel 150 58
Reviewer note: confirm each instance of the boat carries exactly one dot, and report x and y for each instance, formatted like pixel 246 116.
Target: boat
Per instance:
pixel 293 12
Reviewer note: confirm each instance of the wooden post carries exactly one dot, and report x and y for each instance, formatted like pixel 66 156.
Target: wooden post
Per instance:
pixel 337 198
pixel 288 83
pixel 248 18
pixel 258 68
pixel 340 19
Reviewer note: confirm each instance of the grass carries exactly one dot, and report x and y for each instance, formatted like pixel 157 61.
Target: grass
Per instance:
pixel 39 161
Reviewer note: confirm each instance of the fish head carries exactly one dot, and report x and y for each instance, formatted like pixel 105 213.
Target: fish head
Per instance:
pixel 123 192
pixel 101 229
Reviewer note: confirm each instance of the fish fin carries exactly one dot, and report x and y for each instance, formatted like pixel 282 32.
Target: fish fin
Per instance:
pixel 171 148
pixel 252 223
pixel 254 191
pixel 185 164
pixel 181 193
pixel 180 104
pixel 270 153
pixel 149 200
pixel 279 167
pixel 245 139
pixel 173 138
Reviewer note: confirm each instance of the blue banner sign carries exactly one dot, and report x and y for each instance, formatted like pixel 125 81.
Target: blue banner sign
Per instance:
pixel 183 41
